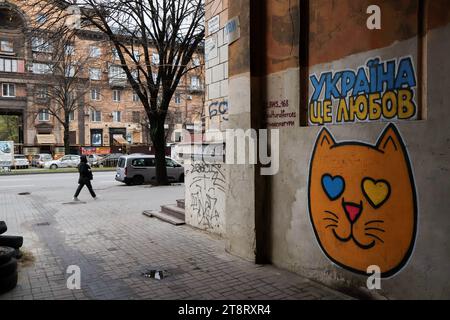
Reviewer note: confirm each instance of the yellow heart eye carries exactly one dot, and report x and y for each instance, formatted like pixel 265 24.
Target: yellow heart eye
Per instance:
pixel 377 192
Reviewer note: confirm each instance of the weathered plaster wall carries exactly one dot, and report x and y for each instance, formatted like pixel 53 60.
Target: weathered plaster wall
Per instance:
pixel 294 244
pixel 205 195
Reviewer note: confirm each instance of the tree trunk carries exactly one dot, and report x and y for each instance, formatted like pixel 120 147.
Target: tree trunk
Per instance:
pixel 159 143
pixel 66 138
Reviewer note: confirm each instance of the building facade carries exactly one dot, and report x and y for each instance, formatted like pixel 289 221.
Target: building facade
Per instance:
pixel 356 90
pixel 109 118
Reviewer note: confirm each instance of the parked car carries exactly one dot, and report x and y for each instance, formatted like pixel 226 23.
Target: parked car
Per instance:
pixel 138 169
pixel 39 160
pixel 110 160
pixel 20 162
pixel 67 161
pixel 94 159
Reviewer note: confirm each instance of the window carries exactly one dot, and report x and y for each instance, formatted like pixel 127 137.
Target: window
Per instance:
pixel 177 98
pixel 96 116
pixel 95 73
pixel 6 46
pixel 42 93
pixel 8 90
pixel 41 68
pixel 143 162
pixel 95 94
pixel 95 52
pixel 41 19
pixel 196 62
pixel 135 97
pixel 70 50
pixel 136 55
pixel 72 116
pixel 135 74
pixel 115 54
pixel 117 116
pixel 44 115
pixel 116 95
pixel 96 137
pixel 117 73
pixel 8 65
pixel 195 83
pixel 70 71
pixel 41 45
pixel 155 58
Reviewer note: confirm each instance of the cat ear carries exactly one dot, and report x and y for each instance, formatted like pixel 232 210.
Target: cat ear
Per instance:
pixel 390 140
pixel 325 139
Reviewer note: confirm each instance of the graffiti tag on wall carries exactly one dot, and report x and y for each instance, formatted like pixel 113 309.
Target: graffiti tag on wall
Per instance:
pixel 278 114
pixel 362 202
pixel 207 190
pixel 378 90
pixel 219 109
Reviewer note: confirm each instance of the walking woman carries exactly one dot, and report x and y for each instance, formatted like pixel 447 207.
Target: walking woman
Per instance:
pixel 85 178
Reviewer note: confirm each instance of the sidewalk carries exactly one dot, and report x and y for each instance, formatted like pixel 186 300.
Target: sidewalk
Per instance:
pixel 113 244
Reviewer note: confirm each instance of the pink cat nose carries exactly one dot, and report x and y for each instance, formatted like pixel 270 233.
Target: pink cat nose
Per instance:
pixel 352 210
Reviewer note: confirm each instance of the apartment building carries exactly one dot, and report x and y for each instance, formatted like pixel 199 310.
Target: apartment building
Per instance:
pixel 109 116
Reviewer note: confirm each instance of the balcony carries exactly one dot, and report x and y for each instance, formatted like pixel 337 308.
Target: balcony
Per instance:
pixel 196 88
pixel 116 82
pixel 11 65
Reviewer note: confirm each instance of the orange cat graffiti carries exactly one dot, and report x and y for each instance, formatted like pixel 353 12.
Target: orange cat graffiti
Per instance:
pixel 362 202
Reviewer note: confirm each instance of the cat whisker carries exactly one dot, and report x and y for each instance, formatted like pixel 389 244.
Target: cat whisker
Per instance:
pixel 374 236
pixel 374 221
pixel 331 219
pixel 375 229
pixel 332 213
pixel 331 225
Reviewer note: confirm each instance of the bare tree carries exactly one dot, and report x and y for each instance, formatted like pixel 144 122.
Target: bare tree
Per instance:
pixel 64 76
pixel 154 40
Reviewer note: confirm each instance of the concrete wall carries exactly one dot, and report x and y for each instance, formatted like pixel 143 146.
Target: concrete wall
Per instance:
pixel 410 178
pixel 296 240
pixel 205 195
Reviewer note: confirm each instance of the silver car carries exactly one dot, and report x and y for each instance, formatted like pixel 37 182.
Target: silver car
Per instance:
pixel 67 161
pixel 20 161
pixel 139 169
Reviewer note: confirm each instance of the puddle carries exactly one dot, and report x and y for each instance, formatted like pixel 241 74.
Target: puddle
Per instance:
pixel 156 274
pixel 27 258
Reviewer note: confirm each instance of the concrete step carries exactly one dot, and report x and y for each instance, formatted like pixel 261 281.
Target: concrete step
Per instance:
pixel 180 204
pixel 174 211
pixel 164 217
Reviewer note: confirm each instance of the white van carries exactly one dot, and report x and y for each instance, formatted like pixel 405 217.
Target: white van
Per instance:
pixel 138 169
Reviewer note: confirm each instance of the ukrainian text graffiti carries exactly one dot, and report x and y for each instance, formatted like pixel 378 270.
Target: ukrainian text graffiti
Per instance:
pixel 379 90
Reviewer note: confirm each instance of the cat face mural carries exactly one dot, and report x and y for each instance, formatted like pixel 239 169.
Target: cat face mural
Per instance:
pixel 362 202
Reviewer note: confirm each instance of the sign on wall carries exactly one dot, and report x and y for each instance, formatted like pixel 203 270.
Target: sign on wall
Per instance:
pixel 211 50
pixel 214 24
pixel 232 30
pixel 376 91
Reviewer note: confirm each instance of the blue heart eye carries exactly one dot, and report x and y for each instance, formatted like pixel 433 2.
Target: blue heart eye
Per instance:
pixel 333 186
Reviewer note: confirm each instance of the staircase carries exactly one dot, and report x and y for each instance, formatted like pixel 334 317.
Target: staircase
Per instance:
pixel 171 213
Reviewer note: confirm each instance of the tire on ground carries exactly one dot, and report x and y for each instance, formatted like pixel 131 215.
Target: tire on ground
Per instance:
pixel 8 268
pixel 3 227
pixel 11 241
pixel 6 253
pixel 8 283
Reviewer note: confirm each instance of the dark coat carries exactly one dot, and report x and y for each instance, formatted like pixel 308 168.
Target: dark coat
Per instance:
pixel 85 173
